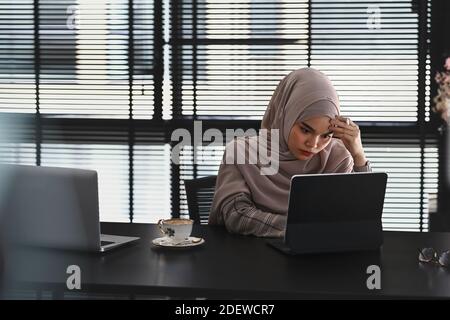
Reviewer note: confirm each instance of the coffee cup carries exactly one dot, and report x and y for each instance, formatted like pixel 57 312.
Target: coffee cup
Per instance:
pixel 176 229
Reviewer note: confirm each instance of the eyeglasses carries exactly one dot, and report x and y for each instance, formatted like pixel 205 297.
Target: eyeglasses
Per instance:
pixel 430 255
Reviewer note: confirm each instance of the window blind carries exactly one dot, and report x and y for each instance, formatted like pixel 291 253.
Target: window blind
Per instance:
pixel 95 148
pixel 412 176
pixel 103 84
pixel 238 52
pixel 369 49
pixel 83 50
pixel 80 60
pixel 231 55
pixel 143 39
pixel 205 163
pixel 17 77
pixel 152 176
pixel 17 142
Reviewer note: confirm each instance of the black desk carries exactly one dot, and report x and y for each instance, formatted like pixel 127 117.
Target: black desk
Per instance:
pixel 230 266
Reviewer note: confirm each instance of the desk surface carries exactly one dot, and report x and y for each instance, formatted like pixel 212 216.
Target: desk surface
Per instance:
pixel 231 266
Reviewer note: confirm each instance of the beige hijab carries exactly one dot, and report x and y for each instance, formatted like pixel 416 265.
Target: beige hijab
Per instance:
pixel 302 94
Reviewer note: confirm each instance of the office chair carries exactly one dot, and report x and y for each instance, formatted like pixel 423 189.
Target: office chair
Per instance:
pixel 200 194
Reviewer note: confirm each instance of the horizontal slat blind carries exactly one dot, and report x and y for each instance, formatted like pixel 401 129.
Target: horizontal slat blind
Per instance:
pixel 84 58
pixel 143 86
pixel 79 147
pixel 206 163
pixel 17 79
pixel 242 50
pixel 369 49
pixel 401 159
pixel 151 177
pixel 17 142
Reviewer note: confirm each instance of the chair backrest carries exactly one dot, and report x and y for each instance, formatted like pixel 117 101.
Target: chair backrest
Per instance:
pixel 200 194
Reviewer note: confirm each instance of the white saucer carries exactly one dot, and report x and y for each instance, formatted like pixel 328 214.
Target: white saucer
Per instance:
pixel 189 242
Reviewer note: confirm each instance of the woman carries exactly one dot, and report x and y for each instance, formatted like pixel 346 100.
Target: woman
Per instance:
pixel 313 138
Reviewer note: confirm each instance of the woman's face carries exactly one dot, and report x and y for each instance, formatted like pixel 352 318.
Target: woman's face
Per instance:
pixel 309 137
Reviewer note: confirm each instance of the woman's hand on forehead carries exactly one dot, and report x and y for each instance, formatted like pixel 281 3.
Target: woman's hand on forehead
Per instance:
pixel 346 130
pixel 343 127
pixel 342 119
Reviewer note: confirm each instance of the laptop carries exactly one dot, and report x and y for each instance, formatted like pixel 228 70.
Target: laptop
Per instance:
pixel 334 213
pixel 55 208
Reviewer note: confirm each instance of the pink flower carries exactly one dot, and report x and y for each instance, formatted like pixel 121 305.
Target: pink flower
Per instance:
pixel 447 64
